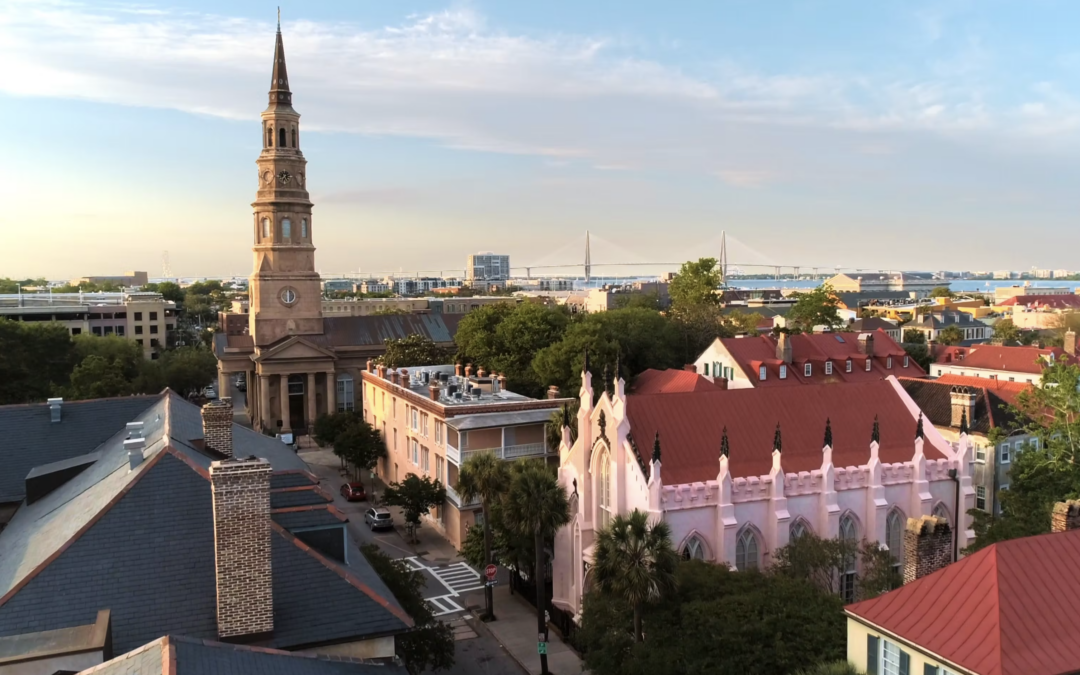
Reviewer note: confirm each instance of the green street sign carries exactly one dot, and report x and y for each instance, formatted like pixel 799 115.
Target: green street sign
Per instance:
pixel 541 648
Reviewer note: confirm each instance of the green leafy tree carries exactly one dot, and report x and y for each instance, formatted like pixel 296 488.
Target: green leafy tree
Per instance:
pixel 823 562
pixel 831 668
pixel 567 417
pixel 188 369
pixel 718 621
pixel 416 496
pixel 920 353
pixel 912 336
pixel 636 562
pixel 414 350
pixel 485 477
pixel 170 290
pixel 942 292
pixel 36 360
pixel 819 307
pixel 361 445
pixel 695 285
pixel 505 338
pixel 743 322
pixel 1038 477
pixel 98 377
pixel 950 335
pixel 329 426
pixel 642 300
pixel 429 645
pixel 537 504
pixel 1006 332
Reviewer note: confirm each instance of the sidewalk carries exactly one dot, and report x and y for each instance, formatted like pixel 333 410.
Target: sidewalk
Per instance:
pixel 515 630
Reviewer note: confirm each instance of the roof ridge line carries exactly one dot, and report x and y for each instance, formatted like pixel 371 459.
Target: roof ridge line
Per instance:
pixel 30 404
pixel 143 469
pixel 345 574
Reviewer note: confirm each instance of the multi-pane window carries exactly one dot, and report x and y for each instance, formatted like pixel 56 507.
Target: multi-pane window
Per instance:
pixel 888 362
pixel 438 468
pixel 980 497
pixel 894 538
pixel 828 367
pixel 850 533
pixel 783 372
pixel 797 529
pixel 847 365
pixel 605 489
pixel 694 550
pixel 941 512
pixel 346 400
pixel 807 370
pixel 426 459
pixel 286 229
pixel 153 329
pixel 415 419
pixel 761 373
pixel 153 316
pixel 890 659
pixel 868 363
pixel 415 452
pixel 1006 451
pixel 747 556
pixel 438 431
pixel 907 359
pixel 424 424
pixel 138 330
pixel 980 453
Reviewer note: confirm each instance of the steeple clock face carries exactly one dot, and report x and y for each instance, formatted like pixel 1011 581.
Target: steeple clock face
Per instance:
pixel 284 177
pixel 288 296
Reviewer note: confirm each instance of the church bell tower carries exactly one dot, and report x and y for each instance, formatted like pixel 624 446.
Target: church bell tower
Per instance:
pixel 285 290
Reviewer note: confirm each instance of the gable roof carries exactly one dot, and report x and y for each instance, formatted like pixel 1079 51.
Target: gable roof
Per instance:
pixel 690 426
pixel 934 398
pixel 30 439
pixel 654 381
pixel 1071 301
pixel 871 323
pixel 1018 359
pixel 375 330
pixel 1003 389
pixel 183 655
pixel 1000 611
pixel 141 543
pixel 816 349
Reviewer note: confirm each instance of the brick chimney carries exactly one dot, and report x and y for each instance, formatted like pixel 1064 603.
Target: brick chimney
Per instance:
pixel 721 382
pixel 394 376
pixel 480 372
pixel 963 401
pixel 690 367
pixel 433 390
pixel 217 421
pixel 370 365
pixel 502 382
pixel 403 375
pixel 1070 342
pixel 927 546
pixel 866 344
pixel 457 369
pixel 1065 516
pixel 468 370
pixel 553 392
pixel 783 348
pixel 245 601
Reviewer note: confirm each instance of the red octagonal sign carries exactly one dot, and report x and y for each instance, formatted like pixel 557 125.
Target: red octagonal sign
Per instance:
pixel 490 571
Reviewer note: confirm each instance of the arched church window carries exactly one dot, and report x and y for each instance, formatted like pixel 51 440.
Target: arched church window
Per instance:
pixel 798 529
pixel 849 533
pixel 894 538
pixel 282 140
pixel 694 549
pixel 303 228
pixel 747 553
pixel 286 228
pixel 605 488
pixel 269 137
pixel 294 139
pixel 941 512
pixel 266 228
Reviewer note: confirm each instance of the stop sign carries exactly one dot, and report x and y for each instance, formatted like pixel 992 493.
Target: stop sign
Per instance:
pixel 490 571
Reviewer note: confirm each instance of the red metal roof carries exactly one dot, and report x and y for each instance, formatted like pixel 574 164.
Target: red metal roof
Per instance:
pixel 1006 610
pixel 654 381
pixel 1007 391
pixel 817 348
pixel 690 427
pixel 996 357
pixel 1043 301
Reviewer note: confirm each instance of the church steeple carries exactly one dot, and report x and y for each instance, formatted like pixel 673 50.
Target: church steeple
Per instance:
pixel 279 84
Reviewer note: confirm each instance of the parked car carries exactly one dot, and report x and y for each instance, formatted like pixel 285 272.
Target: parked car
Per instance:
pixel 379 518
pixel 241 382
pixel 353 492
pixel 209 393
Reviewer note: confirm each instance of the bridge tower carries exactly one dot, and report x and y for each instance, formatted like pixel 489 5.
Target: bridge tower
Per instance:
pixel 723 257
pixel 588 260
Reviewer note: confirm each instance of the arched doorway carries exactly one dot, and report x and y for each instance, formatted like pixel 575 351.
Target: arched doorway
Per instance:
pixel 296 404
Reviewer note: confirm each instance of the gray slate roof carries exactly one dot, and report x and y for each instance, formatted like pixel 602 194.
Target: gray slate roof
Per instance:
pixel 205 657
pixel 28 438
pixel 358 331
pixel 141 543
pixel 288 480
pixel 284 500
pixel 300 520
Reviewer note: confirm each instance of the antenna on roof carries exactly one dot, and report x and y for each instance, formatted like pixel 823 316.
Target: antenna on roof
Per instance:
pixel 279 18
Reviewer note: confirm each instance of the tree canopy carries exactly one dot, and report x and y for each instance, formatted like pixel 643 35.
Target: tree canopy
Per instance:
pixel 414 350
pixel 695 285
pixel 416 496
pixel 950 335
pixel 1006 332
pixel 942 292
pixel 819 307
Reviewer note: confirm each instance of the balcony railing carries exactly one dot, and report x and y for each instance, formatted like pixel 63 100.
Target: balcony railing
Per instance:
pixel 512 451
pixel 454 498
pixel 453 454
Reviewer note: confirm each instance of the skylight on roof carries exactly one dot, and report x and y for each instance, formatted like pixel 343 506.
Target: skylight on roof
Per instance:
pixel 839 338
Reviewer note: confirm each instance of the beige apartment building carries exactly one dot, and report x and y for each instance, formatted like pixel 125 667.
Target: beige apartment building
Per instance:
pixel 145 318
pixel 434 417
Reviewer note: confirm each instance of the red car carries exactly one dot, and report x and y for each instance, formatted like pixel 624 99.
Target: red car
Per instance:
pixel 353 492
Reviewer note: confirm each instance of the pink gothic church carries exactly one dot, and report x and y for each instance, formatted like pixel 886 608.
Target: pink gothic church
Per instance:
pixel 738 473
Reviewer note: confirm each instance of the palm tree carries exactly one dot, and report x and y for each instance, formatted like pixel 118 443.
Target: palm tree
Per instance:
pixel 537 504
pixel 635 561
pixel 485 477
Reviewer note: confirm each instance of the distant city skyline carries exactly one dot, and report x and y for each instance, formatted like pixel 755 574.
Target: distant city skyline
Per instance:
pixel 897 135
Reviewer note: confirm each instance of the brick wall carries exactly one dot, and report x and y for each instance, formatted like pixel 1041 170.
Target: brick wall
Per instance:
pixel 245 603
pixel 1066 516
pixel 217 418
pixel 927 546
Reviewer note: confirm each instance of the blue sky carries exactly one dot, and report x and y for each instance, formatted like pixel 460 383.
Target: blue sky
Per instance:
pixel 923 135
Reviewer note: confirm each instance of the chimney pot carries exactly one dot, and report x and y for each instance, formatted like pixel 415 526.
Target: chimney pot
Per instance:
pixel 1065 516
pixel 403 376
pixel 370 365
pixel 468 370
pixel 553 392
pixel 480 372
pixel 927 546
pixel 217 418
pixel 690 368
pixel 55 405
pixel 433 390
pixel 457 369
pixel 242 547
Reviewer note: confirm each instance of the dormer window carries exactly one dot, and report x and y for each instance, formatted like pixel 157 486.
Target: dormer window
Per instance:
pixel 848 365
pixel 888 363
pixel 761 373
pixel 868 365
pixel 906 360
pixel 828 367
pixel 783 371
pixel 807 370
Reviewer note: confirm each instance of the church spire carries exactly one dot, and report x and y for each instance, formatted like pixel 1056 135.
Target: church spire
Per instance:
pixel 279 84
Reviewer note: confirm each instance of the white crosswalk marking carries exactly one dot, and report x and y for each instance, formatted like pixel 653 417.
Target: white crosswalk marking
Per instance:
pixel 443 605
pixel 458 578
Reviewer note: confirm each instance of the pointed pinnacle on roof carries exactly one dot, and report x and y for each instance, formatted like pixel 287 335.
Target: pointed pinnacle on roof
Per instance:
pixel 656 447
pixel 919 429
pixel 725 448
pixel 279 81
pixel 776 442
pixel 828 432
pixel 964 422
pixel 875 435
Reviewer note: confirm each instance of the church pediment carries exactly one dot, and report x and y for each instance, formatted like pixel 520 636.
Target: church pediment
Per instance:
pixel 293 349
